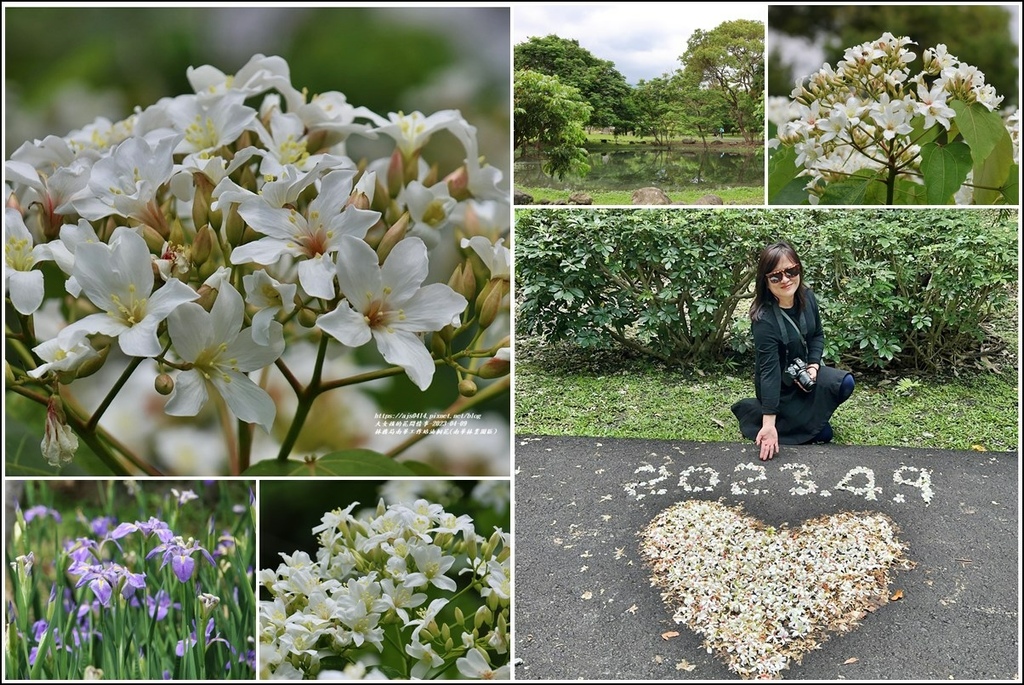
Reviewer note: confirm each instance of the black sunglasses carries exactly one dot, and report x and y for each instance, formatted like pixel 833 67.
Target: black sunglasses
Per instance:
pixel 776 276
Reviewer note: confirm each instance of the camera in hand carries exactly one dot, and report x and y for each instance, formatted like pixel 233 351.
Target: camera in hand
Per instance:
pixel 797 371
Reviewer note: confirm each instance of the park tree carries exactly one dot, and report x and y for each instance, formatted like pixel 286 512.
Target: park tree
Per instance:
pixel 599 82
pixel 657 108
pixel 552 117
pixel 730 59
pixel 988 44
pixel 702 111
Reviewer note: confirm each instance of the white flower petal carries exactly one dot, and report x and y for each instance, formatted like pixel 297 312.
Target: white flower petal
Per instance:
pixel 141 340
pixel 25 289
pixel 248 401
pixel 191 331
pixel 432 308
pixel 189 394
pixel 345 325
pixel 406 350
pixel 404 269
pixel 317 276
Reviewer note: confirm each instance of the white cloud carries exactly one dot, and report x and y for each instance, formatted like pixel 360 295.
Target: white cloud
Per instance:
pixel 642 40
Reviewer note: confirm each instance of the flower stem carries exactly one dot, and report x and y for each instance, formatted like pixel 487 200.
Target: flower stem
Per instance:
pixel 306 399
pixel 129 370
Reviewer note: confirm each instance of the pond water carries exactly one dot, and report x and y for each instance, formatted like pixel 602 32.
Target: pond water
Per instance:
pixel 670 170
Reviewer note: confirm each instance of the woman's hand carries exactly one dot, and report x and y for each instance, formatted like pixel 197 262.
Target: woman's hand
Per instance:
pixel 768 439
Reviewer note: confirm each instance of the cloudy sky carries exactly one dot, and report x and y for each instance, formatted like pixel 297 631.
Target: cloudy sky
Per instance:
pixel 643 40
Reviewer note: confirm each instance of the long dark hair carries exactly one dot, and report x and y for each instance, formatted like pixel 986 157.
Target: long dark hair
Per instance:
pixel 770 258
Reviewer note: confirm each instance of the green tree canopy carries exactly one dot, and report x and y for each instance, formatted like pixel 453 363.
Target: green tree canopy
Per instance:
pixel 552 116
pixel 597 80
pixel 730 59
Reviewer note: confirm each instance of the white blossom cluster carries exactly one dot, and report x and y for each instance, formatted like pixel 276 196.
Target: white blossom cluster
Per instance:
pixel 209 230
pixel 869 111
pixel 380 597
pixel 764 596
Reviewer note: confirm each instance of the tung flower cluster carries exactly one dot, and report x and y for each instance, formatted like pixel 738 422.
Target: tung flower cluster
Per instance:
pixel 210 231
pixel 869 131
pixel 380 597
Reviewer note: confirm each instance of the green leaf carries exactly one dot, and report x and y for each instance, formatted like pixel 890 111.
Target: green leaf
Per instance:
pixel 849 192
pixel 990 175
pixel 343 463
pixel 781 172
pixel 945 168
pixel 1011 190
pixel 982 129
pixel 421 469
pixel 794 193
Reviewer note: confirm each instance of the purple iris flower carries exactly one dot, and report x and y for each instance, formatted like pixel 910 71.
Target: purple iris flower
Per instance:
pixel 161 605
pixel 103 578
pixel 101 525
pixel 39 511
pixel 179 554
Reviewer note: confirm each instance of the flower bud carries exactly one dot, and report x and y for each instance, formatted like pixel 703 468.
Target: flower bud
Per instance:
pixel 89 366
pixel 376 234
pixel 483 617
pixel 154 241
pixel 438 346
pixel 392 237
pixel 446 334
pixel 412 166
pixel 234 226
pixel 358 199
pixel 202 245
pixel 207 296
pixel 396 174
pixel 489 303
pixel 316 141
pixel 307 317
pixel 463 281
pixel 458 184
pixel 59 442
pixel 177 234
pixel 381 198
pixel 467 388
pixel 201 202
pixel 431 177
pixel 497 366
pixel 164 384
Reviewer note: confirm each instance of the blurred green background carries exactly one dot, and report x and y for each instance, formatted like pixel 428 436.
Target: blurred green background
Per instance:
pixel 64 66
pixel 802 37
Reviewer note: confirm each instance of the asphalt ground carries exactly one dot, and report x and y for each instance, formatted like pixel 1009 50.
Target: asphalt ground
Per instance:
pixel 584 607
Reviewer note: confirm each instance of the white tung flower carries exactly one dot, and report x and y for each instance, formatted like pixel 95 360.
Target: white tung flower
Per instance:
pixel 269 297
pixel 63 354
pixel 221 353
pixel 118 278
pixel 22 282
pixel 387 303
pixel 312 237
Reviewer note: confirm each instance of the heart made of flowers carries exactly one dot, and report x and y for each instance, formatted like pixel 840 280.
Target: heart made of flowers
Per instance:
pixel 762 596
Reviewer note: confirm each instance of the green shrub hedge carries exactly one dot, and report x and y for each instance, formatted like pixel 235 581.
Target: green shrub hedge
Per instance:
pixel 907 288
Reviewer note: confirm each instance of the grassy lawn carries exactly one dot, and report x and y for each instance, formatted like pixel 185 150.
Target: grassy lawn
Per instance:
pixel 560 390
pixel 730 196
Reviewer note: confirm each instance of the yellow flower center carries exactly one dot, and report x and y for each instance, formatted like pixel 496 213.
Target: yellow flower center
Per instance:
pixel 18 254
